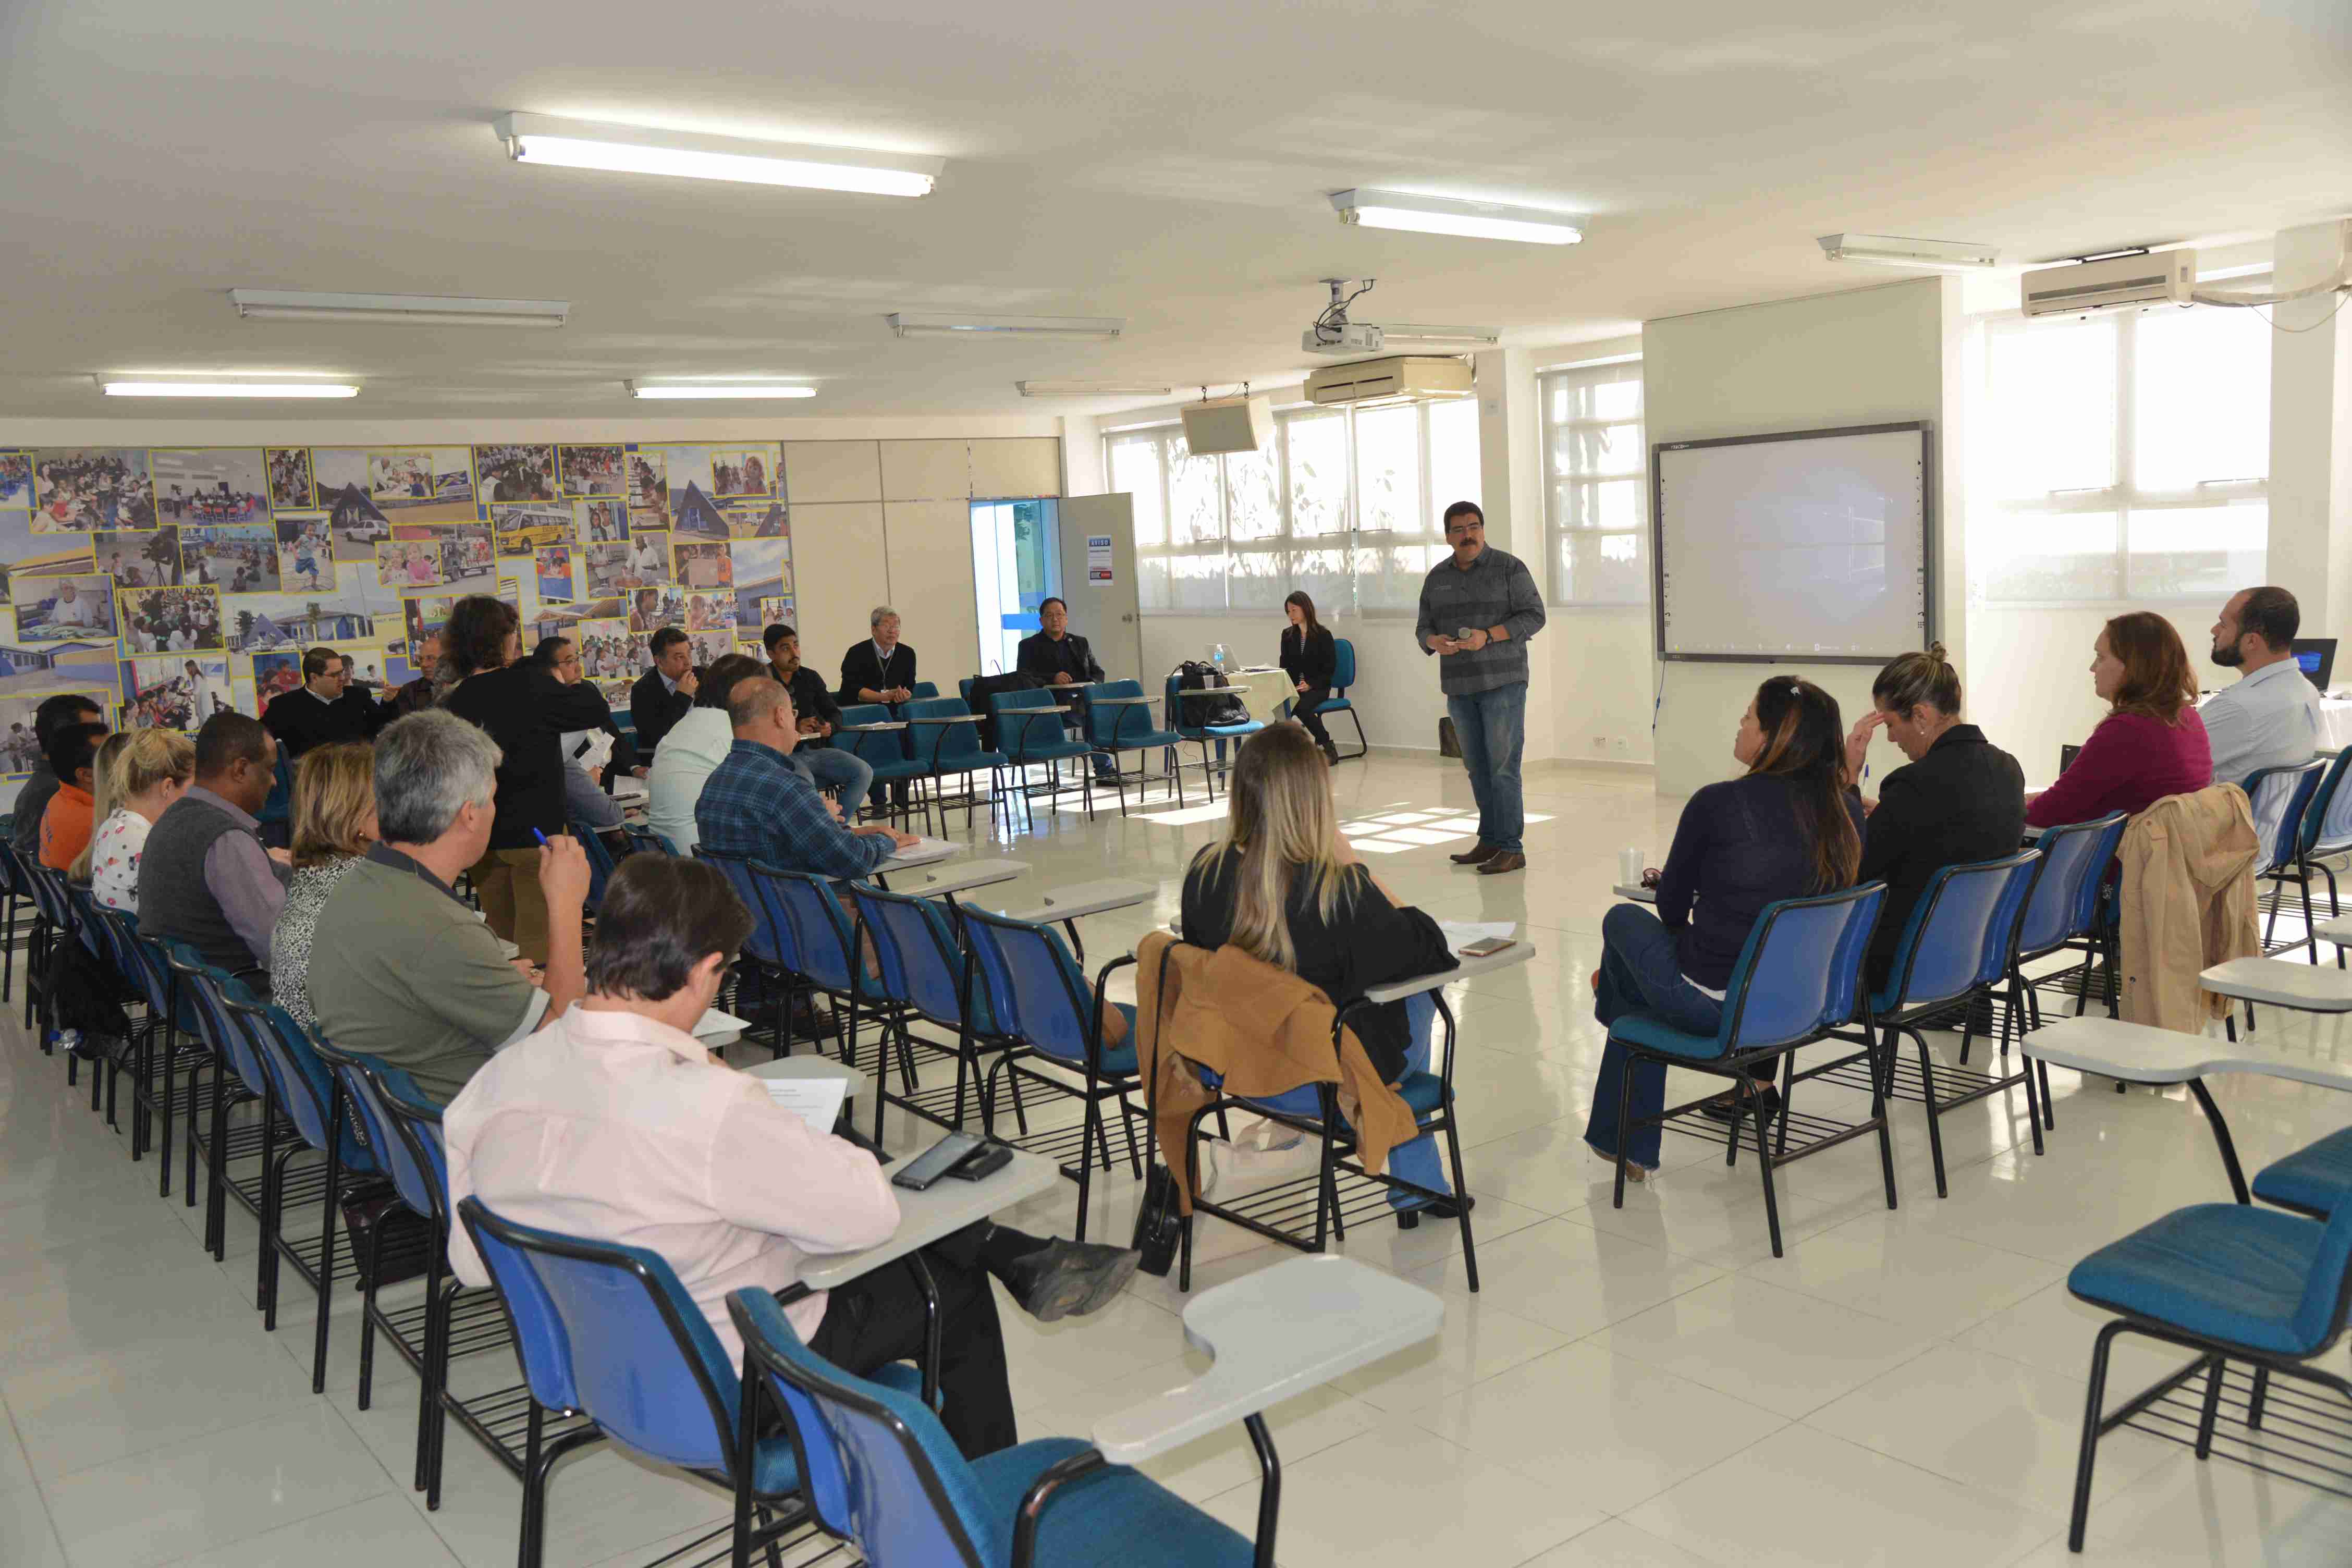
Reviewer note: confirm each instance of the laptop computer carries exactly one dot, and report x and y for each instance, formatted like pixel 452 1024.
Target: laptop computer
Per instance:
pixel 2317 658
pixel 2066 755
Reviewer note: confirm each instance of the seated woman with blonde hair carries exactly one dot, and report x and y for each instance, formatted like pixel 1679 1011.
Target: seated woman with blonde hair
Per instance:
pixel 140 772
pixel 1285 888
pixel 333 821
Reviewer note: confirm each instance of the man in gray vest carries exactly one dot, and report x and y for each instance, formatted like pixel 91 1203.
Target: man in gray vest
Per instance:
pixel 203 877
pixel 1478 608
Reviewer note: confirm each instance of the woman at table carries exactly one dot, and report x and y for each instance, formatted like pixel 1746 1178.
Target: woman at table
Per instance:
pixel 2151 744
pixel 1283 886
pixel 1309 657
pixel 1960 798
pixel 1787 828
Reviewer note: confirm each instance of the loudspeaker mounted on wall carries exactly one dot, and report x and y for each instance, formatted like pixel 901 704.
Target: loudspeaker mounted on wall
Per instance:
pixel 1229 425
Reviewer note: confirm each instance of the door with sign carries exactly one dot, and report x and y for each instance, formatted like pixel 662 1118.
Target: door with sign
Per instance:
pixel 1098 579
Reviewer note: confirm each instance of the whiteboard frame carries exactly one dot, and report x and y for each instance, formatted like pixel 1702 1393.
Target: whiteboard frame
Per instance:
pixel 1927 545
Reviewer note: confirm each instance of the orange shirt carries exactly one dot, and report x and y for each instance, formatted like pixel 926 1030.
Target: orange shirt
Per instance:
pixel 64 827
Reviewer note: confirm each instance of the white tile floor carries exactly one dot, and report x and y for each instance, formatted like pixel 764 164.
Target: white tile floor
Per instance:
pixel 1645 1386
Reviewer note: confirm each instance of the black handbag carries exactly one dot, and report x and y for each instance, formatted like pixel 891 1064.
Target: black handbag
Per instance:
pixel 1159 1224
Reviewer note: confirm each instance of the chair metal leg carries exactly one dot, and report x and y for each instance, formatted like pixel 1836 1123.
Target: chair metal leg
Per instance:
pixel 2215 1367
pixel 1755 1109
pixel 2094 1407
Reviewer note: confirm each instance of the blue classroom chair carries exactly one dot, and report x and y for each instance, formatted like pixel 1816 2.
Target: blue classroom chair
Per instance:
pixel 1183 717
pixel 1343 676
pixel 1115 728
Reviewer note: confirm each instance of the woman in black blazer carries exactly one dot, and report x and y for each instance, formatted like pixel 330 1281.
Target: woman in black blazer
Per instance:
pixel 1960 800
pixel 1309 657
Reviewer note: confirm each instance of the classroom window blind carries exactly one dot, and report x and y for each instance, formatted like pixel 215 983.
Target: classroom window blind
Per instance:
pixel 2122 456
pixel 1596 484
pixel 1344 505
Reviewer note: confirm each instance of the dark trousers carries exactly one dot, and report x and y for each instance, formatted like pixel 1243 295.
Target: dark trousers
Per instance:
pixel 1304 711
pixel 876 1319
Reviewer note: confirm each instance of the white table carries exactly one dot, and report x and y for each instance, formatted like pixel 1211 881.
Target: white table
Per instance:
pixel 2282 983
pixel 2142 1053
pixel 921 852
pixel 1519 951
pixel 963 879
pixel 1082 899
pixel 924 1217
pixel 1276 1332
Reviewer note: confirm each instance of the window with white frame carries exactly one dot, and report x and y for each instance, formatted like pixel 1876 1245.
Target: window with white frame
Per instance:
pixel 1344 505
pixel 2122 456
pixel 1596 484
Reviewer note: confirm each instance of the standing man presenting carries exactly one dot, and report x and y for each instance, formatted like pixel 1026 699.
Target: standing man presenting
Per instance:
pixel 1477 611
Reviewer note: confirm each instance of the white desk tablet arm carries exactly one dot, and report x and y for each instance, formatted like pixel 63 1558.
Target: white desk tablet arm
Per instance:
pixel 1274 1334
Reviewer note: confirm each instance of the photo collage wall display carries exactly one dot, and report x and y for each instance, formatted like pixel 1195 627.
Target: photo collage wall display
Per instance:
pixel 171 583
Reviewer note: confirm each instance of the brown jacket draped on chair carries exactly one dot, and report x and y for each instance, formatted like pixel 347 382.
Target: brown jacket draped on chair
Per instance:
pixel 1262 1030
pixel 2187 902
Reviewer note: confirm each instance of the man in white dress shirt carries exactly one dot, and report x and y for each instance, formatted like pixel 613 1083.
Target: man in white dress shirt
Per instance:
pixel 2270 719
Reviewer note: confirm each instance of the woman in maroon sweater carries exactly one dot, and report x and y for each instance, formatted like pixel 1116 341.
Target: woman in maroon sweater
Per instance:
pixel 2151 744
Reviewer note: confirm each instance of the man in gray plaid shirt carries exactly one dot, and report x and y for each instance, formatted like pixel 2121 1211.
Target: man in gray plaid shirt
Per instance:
pixel 1477 611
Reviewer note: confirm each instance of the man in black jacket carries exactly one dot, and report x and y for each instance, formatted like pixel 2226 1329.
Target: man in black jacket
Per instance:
pixel 881 669
pixel 664 693
pixel 1061 659
pixel 321 711
pixel 33 798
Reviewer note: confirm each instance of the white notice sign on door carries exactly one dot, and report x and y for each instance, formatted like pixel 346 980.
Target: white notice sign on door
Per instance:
pixel 1097 559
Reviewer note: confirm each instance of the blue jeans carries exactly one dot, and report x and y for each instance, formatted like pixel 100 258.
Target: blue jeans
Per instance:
pixel 830 767
pixel 1640 974
pixel 1492 727
pixel 1417 1161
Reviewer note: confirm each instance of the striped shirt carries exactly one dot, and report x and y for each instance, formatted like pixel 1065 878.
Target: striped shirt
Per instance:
pixel 1497 591
pixel 755 804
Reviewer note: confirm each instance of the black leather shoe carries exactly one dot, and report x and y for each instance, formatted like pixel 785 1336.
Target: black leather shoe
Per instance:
pixel 1502 861
pixel 1442 1208
pixel 1069 1279
pixel 1727 1110
pixel 1478 855
pixel 813 1023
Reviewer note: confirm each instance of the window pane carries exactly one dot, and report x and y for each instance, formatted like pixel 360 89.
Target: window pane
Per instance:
pixel 2053 398
pixel 1154 590
pixel 1196 581
pixel 1602 568
pixel 1581 395
pixel 2201 399
pixel 1251 501
pixel 2042 555
pixel 2205 550
pixel 1454 454
pixel 1322 576
pixel 1388 470
pixel 1196 515
pixel 1597 449
pixel 1257 580
pixel 1135 469
pixel 1389 576
pixel 1602 503
pixel 1318 475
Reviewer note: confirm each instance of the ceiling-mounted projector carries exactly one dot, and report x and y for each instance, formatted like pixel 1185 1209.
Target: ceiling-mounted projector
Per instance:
pixel 1346 338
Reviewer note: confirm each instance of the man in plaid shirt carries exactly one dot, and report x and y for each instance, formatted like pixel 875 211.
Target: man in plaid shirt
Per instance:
pixel 754 804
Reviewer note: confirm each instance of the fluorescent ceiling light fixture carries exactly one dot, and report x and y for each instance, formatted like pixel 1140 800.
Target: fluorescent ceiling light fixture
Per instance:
pixel 1442 215
pixel 1476 337
pixel 400 309
pixel 703 389
pixel 1094 388
pixel 226 388
pixel 1893 250
pixel 940 324
pixel 632 150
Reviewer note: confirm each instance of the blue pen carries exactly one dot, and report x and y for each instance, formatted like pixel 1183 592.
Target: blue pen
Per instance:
pixel 535 833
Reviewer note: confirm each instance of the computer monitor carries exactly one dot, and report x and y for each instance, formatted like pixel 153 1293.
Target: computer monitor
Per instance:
pixel 2317 658
pixel 2066 755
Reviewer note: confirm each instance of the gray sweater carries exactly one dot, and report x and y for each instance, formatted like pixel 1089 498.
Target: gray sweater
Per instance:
pixel 1497 591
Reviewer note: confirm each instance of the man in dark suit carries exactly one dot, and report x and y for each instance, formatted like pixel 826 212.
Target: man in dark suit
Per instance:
pixel 664 693
pixel 1061 659
pixel 881 669
pixel 320 711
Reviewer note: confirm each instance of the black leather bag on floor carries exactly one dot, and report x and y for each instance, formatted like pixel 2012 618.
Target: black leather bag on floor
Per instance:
pixel 1449 745
pixel 1157 1223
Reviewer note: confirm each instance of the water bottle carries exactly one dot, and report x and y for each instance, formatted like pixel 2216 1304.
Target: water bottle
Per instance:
pixel 1219 657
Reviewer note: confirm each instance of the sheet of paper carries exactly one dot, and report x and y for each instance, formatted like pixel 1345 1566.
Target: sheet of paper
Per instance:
pixel 815 1100
pixel 922 852
pixel 1460 934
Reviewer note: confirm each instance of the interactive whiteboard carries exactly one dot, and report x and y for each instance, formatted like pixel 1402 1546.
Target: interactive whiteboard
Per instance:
pixel 1809 547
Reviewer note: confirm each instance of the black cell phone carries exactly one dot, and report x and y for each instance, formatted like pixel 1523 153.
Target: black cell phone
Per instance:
pixel 985 1161
pixel 935 1162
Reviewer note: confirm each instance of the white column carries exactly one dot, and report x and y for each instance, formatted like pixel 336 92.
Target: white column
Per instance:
pixel 1511 488
pixel 2311 432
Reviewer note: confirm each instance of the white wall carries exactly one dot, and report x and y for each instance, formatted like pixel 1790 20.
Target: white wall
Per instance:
pixel 1866 356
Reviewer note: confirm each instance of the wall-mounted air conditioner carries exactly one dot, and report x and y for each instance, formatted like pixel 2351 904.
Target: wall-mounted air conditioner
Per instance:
pixel 1398 377
pixel 2159 277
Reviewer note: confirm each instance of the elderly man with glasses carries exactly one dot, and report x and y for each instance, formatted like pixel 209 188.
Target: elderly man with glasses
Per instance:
pixel 1478 608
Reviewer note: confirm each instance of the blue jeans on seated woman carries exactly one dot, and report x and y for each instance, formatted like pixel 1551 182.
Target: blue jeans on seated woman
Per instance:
pixel 1417 1161
pixel 1640 974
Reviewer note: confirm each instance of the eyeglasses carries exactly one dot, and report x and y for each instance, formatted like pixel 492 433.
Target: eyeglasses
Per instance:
pixel 1453 528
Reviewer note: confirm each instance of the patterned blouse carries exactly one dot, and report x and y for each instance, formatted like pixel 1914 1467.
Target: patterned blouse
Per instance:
pixel 290 940
pixel 114 852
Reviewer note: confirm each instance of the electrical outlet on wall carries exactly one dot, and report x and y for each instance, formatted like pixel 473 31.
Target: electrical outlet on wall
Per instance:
pixel 1599 742
pixel 1625 747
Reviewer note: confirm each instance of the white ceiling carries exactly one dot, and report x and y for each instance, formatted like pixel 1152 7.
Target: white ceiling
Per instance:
pixel 1166 162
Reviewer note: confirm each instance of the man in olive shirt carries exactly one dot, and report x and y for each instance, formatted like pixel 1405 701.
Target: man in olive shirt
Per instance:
pixel 402 970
